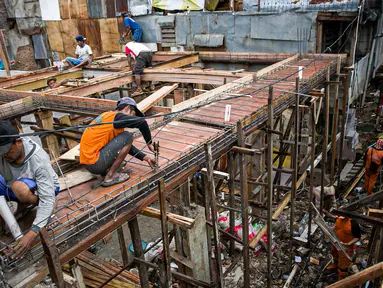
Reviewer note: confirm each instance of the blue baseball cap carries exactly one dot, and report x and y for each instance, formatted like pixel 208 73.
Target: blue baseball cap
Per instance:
pixel 80 38
pixel 131 102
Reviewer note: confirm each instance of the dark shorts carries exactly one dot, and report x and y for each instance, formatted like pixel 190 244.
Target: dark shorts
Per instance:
pixel 10 195
pixel 109 153
pixel 144 59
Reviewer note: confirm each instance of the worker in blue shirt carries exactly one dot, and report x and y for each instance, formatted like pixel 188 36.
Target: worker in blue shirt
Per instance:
pixel 132 27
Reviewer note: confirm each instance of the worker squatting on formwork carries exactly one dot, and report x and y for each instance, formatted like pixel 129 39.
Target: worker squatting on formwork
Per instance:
pixel 26 177
pixel 103 148
pixel 373 163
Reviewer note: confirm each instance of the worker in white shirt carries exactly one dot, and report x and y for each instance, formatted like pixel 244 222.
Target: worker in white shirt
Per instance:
pixel 143 57
pixel 84 54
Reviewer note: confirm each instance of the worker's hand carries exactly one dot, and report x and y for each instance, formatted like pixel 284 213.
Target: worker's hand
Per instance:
pixel 151 147
pixel 151 161
pixel 24 244
pixel 345 244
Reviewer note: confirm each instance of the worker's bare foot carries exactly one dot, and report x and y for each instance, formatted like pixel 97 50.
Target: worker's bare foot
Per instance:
pixel 116 179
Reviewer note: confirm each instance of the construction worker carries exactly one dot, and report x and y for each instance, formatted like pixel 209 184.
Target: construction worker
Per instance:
pixel 373 162
pixel 26 177
pixel 348 232
pixel 132 27
pixel 84 54
pixel 143 57
pixel 52 82
pixel 103 148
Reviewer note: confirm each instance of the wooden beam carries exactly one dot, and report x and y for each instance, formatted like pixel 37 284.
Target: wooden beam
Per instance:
pixel 364 201
pixel 175 219
pixel 124 250
pixel 368 219
pixel 41 82
pixel 53 259
pixel 361 277
pixel 44 120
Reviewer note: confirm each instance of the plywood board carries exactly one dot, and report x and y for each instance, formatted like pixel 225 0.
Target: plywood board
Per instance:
pixel 73 9
pixel 75 178
pixel 90 29
pixel 69 31
pixel 54 36
pixel 109 35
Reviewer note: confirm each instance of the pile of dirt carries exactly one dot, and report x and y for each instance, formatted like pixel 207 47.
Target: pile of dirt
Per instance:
pixel 25 59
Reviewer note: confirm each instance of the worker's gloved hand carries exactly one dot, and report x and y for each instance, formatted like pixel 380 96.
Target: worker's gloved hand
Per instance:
pixel 151 147
pixel 151 161
pixel 24 244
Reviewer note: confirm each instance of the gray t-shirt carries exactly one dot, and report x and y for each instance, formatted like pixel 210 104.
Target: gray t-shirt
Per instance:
pixel 36 166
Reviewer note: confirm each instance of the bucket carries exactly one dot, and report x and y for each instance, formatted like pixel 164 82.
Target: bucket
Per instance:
pixel 143 243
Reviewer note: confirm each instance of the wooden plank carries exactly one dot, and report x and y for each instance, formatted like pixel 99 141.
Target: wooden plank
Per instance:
pixel 69 31
pixel 90 29
pixel 53 258
pixel 157 96
pixel 71 154
pixel 75 178
pixel 74 9
pixel 375 212
pixel 361 277
pixel 124 250
pixel 109 35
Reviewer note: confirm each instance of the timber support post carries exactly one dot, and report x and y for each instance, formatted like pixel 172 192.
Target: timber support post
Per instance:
pixel 138 251
pixel 244 206
pixel 269 184
pixel 213 205
pixel 53 258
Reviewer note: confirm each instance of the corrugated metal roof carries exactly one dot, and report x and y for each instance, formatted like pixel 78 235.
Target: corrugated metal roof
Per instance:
pixel 306 5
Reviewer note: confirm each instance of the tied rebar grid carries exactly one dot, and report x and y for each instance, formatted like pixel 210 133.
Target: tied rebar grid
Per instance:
pixel 96 215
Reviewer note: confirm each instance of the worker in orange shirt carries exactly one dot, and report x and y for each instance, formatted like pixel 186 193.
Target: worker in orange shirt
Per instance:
pixel 348 232
pixel 373 161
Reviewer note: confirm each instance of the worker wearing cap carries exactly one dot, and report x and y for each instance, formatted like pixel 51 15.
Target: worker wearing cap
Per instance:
pixel 52 82
pixel 84 54
pixel 103 148
pixel 143 57
pixel 348 232
pixel 132 27
pixel 373 163
pixel 27 177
